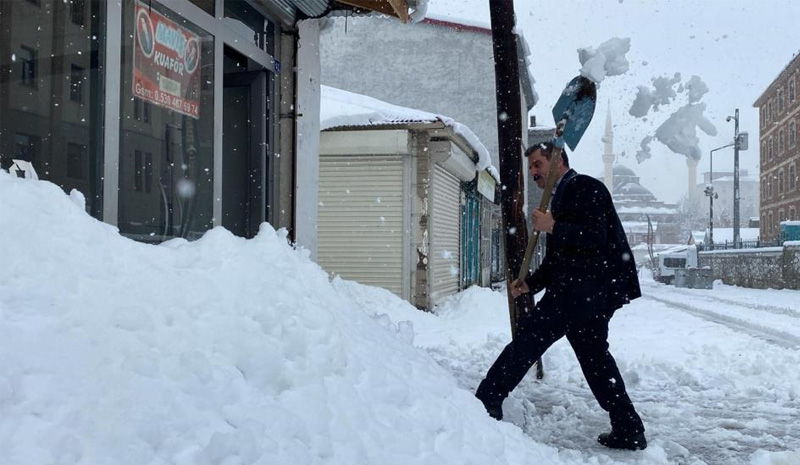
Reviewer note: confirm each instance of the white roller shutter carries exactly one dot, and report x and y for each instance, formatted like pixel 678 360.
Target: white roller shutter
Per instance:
pixel 360 226
pixel 445 233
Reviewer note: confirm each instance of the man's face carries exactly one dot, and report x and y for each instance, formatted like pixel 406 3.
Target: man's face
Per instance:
pixel 538 166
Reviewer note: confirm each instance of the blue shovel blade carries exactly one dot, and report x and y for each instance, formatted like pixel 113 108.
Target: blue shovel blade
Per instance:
pixel 576 105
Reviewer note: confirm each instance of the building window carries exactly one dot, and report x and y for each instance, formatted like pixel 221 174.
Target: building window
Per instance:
pixel 769 111
pixel 76 12
pixel 780 101
pixel 781 141
pixel 792 134
pixel 763 188
pixel 26 147
pixel 792 90
pixel 771 223
pixel 27 57
pixel 763 152
pixel 763 116
pixel 792 177
pixel 34 2
pixel 769 188
pixel 141 111
pixel 76 84
pixel 76 154
pixel 771 146
pixel 780 181
pixel 781 215
pixel 143 171
pixel 792 214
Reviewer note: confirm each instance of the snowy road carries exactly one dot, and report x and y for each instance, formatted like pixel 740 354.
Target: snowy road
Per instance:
pixel 713 373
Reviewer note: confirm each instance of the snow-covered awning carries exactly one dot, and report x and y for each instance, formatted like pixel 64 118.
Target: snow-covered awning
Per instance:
pixel 342 109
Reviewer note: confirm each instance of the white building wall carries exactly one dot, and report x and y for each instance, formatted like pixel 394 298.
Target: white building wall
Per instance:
pixel 307 135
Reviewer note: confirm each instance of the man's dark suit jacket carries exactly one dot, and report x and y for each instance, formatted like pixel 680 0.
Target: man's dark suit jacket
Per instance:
pixel 588 266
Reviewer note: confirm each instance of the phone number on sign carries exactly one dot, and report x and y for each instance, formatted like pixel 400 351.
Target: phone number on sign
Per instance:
pixel 161 98
pixel 179 104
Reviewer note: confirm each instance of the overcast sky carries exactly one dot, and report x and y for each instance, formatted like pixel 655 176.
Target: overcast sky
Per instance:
pixel 736 47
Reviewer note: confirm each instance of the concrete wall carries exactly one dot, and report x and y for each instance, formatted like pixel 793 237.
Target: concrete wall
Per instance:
pixel 424 66
pixel 767 268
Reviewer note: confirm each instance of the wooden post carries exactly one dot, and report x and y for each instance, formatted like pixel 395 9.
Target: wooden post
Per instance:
pixel 509 132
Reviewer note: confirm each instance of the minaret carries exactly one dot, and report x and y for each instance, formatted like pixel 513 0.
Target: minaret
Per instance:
pixel 608 153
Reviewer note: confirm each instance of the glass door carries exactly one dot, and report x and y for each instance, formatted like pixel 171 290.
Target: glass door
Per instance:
pixel 244 145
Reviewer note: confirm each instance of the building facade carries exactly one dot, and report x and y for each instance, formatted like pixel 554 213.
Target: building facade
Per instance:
pixel 403 202
pixel 443 67
pixel 779 118
pixel 171 116
pixel 723 203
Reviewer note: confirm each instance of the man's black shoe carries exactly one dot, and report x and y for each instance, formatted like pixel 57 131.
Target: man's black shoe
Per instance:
pixel 615 441
pixel 494 411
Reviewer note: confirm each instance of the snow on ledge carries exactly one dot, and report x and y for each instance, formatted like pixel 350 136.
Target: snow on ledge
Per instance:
pixel 340 108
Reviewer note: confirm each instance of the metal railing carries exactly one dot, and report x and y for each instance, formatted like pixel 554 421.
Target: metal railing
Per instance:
pixel 728 245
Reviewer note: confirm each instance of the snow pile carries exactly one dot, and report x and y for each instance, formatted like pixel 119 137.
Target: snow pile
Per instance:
pixel 219 351
pixel 608 59
pixel 340 108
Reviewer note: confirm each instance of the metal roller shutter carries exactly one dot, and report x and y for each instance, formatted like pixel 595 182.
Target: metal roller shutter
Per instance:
pixel 360 223
pixel 445 232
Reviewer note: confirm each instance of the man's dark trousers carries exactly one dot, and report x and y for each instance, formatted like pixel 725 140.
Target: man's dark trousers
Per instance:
pixel 588 336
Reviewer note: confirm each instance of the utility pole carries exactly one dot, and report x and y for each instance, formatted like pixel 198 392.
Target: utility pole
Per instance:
pixel 736 236
pixel 509 140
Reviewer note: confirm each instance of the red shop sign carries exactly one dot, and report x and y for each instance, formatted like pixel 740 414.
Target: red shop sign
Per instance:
pixel 166 62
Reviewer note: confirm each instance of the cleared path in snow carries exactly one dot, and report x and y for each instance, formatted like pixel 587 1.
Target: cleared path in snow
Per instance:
pixel 769 333
pixel 712 385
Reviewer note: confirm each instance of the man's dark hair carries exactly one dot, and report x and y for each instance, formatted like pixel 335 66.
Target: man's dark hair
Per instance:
pixel 547 151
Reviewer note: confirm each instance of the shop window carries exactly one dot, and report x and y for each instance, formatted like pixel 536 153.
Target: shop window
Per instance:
pixel 206 5
pixel 166 167
pixel 64 146
pixel 76 154
pixel 261 29
pixel 76 83
pixel 76 11
pixel 27 59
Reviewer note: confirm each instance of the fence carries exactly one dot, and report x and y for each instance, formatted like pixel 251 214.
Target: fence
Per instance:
pixel 728 245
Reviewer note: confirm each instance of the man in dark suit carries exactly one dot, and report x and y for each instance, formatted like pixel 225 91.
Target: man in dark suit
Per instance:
pixel 588 272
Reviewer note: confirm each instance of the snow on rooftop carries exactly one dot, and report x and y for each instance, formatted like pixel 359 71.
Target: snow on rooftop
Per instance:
pixel 340 108
pixel 647 210
pixel 722 235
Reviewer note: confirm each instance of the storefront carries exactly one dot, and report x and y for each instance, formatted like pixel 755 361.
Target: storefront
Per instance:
pixel 166 118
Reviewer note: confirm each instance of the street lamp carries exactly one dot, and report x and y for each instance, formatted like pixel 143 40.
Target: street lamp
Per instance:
pixel 709 191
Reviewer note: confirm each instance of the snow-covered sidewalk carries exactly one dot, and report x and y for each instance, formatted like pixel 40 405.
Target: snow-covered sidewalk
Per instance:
pixel 231 351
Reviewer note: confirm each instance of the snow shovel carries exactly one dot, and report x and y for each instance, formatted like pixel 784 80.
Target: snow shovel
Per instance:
pixel 573 112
